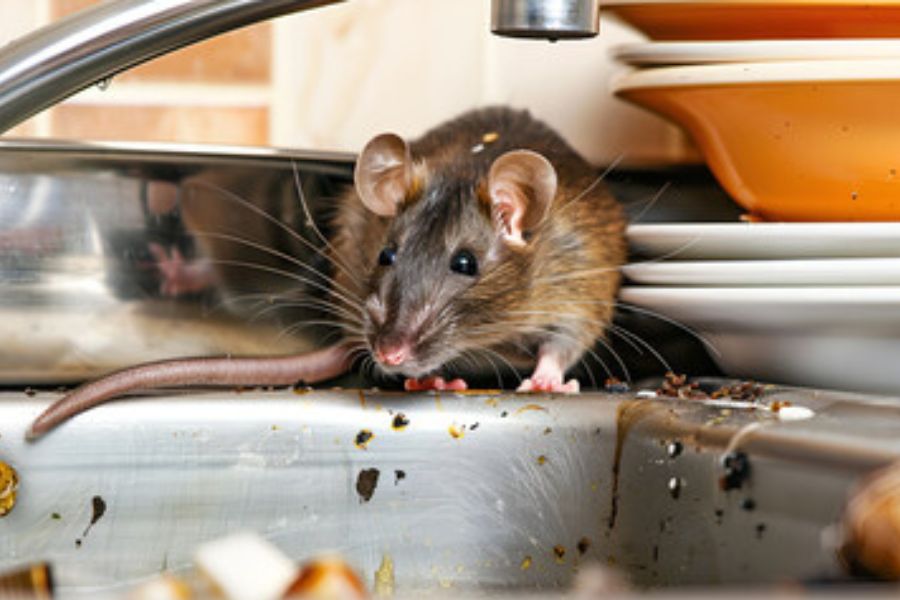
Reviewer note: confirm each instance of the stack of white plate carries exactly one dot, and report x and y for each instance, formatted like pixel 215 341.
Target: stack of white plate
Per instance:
pixel 815 304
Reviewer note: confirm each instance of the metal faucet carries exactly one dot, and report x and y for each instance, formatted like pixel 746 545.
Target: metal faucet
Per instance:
pixel 65 57
pixel 551 19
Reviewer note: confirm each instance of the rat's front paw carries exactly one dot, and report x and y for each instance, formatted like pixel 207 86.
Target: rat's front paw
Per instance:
pixel 554 386
pixel 434 383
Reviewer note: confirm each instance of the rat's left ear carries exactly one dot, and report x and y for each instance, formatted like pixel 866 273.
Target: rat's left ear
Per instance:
pixel 521 184
pixel 383 174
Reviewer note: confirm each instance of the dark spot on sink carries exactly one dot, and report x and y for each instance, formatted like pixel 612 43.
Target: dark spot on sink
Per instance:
pixel 737 471
pixel 548 431
pixel 366 482
pixel 474 426
pixel 363 438
pixel 56 516
pixel 656 553
pixel 399 475
pixel 719 514
pixel 584 544
pixel 29 391
pixel 760 530
pixel 504 414
pixel 400 422
pixel 98 509
pixel 748 504
pixel 559 551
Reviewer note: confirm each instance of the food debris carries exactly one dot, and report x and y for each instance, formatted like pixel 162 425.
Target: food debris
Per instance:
pixel 456 432
pixel 490 137
pixel 748 504
pixel 795 413
pixel 400 422
pixel 584 545
pixel 541 460
pixel 9 483
pixel 677 386
pixel 384 578
pixel 55 516
pixel 559 551
pixel 30 392
pixel 399 475
pixel 526 563
pixel 362 399
pixel 366 482
pixel 300 388
pixel 363 438
pixel 745 391
pixel 737 470
pixel 527 408
pixel 548 431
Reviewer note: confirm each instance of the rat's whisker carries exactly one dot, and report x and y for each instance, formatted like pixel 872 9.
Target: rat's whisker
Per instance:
pixel 338 259
pixel 651 202
pixel 271 251
pixel 625 335
pixel 265 215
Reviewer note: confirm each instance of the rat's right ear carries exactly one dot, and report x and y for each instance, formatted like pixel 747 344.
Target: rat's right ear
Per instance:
pixel 383 174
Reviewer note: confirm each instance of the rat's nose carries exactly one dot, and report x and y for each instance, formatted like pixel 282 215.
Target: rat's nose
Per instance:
pixel 393 354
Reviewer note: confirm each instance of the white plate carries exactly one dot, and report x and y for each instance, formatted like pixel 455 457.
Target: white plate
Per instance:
pixel 841 338
pixel 645 54
pixel 751 241
pixel 831 272
pixel 795 71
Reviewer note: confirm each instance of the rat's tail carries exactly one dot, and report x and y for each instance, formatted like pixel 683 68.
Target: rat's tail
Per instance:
pixel 311 367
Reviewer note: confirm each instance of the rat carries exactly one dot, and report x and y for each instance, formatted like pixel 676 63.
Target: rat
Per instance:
pixel 489 235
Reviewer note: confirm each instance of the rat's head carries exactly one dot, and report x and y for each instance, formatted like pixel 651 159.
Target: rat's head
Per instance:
pixel 455 256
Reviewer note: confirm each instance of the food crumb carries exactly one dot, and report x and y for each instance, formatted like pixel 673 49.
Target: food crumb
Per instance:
pixel 384 578
pixel 366 482
pixel 55 516
pixel 363 438
pixel 9 483
pixel 526 563
pixel 559 551
pixel 400 422
pixel 456 432
pixel 584 545
pixel 399 475
pixel 541 460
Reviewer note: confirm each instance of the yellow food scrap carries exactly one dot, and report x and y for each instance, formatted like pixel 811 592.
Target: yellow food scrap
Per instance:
pixel 559 551
pixel 528 407
pixel 384 578
pixel 541 460
pixel 363 438
pixel 526 563
pixel 9 483
pixel 456 432
pixel 491 136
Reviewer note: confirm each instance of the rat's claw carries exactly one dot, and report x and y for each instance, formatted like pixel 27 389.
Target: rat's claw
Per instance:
pixel 434 383
pixel 540 384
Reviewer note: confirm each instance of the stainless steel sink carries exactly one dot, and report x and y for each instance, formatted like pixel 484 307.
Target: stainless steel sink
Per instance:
pixel 483 492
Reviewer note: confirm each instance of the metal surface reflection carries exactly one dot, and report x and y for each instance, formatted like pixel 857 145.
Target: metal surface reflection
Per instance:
pixel 112 255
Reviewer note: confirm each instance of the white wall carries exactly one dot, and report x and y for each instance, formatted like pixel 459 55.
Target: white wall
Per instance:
pixel 352 70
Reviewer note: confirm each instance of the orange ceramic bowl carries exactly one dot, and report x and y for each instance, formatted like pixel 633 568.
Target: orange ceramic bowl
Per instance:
pixel 759 19
pixel 790 141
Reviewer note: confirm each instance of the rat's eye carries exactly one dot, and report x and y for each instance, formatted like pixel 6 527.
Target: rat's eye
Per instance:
pixel 387 256
pixel 464 263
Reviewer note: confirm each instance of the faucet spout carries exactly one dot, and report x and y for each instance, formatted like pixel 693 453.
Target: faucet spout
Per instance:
pixel 550 19
pixel 65 57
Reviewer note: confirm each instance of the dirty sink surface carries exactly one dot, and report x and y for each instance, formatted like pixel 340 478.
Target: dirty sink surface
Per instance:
pixel 470 493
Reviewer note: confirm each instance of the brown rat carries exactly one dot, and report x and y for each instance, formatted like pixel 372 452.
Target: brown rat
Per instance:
pixel 488 235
